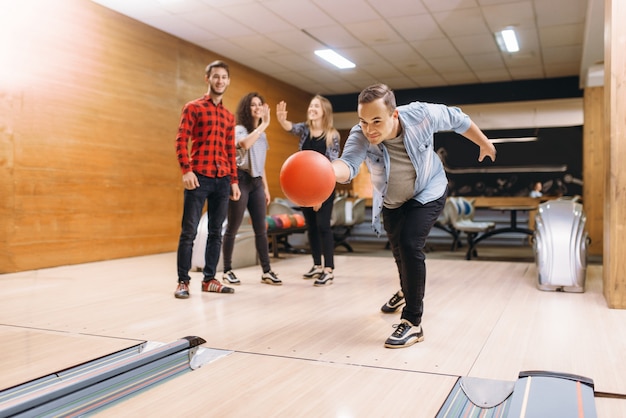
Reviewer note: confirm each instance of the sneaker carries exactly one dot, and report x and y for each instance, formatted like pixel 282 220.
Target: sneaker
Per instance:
pixel 314 273
pixel 393 304
pixel 182 291
pixel 230 278
pixel 405 335
pixel 271 278
pixel 214 286
pixel 325 279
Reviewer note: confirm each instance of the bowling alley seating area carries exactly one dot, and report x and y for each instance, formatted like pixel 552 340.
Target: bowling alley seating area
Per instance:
pixel 348 212
pixel 283 220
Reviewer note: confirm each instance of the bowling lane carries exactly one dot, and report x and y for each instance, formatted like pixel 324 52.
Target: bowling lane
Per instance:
pixel 29 353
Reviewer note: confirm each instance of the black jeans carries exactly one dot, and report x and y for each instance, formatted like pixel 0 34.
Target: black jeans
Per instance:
pixel 252 198
pixel 407 228
pixel 216 192
pixel 320 234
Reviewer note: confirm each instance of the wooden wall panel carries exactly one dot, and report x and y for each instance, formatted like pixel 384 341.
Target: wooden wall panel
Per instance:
pixel 594 166
pixel 7 201
pixel 89 114
pixel 614 262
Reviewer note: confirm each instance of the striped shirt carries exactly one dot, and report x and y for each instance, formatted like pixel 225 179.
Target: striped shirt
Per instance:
pixel 211 130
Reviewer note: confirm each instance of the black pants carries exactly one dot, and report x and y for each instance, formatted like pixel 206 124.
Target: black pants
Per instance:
pixel 407 228
pixel 253 199
pixel 320 234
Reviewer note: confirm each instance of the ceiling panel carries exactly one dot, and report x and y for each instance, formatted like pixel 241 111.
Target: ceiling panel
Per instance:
pixel 373 32
pixel 257 17
pixel 491 75
pixel 301 14
pixel 398 8
pixel 466 77
pixel 213 21
pixel 292 62
pixel 482 62
pixel 259 45
pixel 335 36
pixel 562 35
pixel 435 48
pixel 476 44
pixel 430 80
pixel 561 12
pixel 416 27
pixel 519 14
pixel 347 11
pixel 418 43
pixel 450 64
pixel 294 40
pixel 462 22
pixel 446 5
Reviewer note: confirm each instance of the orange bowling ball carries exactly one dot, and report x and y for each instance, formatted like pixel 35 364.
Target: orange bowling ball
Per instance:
pixel 307 178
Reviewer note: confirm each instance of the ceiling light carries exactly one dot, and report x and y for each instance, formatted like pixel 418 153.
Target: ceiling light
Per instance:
pixel 334 58
pixel 521 139
pixel 507 40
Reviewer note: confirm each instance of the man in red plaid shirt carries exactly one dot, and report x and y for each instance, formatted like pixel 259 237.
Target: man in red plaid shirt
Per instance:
pixel 209 175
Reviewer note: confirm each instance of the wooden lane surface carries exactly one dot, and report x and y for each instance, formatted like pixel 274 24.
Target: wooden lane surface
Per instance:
pixel 249 385
pixel 133 299
pixel 28 354
pixel 482 318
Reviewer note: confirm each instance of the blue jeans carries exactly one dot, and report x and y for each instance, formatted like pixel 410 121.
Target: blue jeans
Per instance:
pixel 252 198
pixel 216 193
pixel 407 228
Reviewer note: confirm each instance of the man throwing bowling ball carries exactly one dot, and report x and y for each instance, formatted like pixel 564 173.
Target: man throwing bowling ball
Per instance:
pixel 410 186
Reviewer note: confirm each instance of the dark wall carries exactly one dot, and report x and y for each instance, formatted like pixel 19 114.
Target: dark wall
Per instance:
pixel 554 159
pixel 511 91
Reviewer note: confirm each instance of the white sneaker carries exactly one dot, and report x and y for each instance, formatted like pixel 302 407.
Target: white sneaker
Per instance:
pixel 405 335
pixel 395 303
pixel 271 278
pixel 314 273
pixel 325 279
pixel 230 278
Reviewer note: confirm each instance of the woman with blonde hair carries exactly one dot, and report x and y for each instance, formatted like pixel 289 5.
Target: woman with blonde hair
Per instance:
pixel 317 134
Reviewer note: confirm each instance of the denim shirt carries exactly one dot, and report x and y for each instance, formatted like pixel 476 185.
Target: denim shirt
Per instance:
pixel 419 122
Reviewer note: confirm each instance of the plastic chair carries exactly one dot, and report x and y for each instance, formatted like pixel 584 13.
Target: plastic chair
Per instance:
pixel 444 223
pixel 460 211
pixel 349 213
pixel 338 216
pixel 278 207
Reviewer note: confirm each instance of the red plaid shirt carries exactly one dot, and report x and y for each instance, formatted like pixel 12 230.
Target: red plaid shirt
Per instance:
pixel 211 129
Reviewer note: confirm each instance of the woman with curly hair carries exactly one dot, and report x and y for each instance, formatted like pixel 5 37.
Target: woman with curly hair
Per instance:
pixel 252 118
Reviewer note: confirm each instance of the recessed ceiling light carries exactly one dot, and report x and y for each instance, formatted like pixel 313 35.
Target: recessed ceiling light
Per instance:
pixel 334 58
pixel 507 40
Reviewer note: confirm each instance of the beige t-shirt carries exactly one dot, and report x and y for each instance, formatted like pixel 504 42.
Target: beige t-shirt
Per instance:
pixel 402 174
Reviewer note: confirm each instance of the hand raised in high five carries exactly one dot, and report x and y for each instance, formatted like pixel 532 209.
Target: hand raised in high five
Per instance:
pixel 265 115
pixel 281 115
